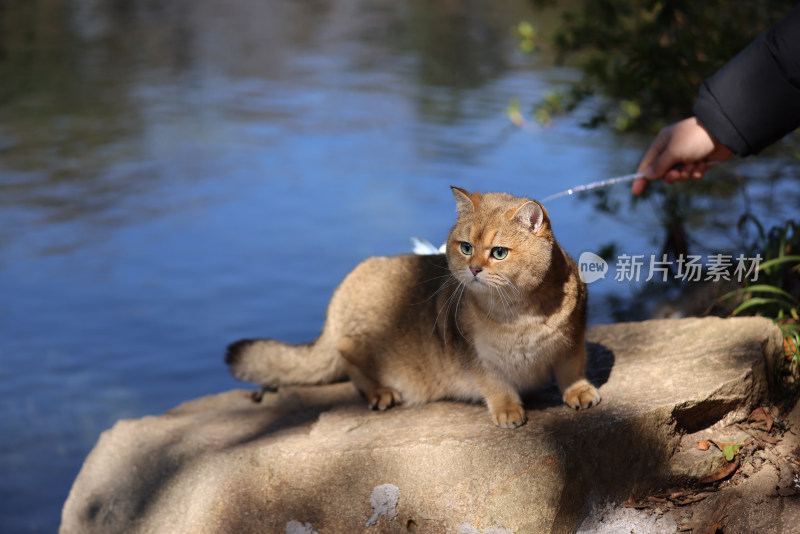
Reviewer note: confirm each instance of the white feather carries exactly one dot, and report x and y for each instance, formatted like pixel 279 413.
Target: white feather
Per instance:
pixel 425 247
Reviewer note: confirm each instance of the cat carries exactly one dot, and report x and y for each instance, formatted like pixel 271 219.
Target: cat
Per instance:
pixel 501 312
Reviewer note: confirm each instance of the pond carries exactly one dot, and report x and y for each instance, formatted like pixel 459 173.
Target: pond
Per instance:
pixel 178 175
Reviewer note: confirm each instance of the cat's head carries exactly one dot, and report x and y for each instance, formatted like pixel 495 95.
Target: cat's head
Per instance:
pixel 499 241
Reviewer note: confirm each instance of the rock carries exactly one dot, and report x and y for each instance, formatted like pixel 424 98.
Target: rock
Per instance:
pixel 310 459
pixel 693 463
pixel 296 527
pixel 762 500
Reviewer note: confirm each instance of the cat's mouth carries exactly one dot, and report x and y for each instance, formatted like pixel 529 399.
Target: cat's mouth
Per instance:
pixel 481 283
pixel 477 281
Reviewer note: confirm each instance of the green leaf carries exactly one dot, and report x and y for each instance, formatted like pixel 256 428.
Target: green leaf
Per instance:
pixel 775 261
pixel 526 30
pixel 730 451
pixel 749 217
pixel 759 301
pixel 789 329
pixel 765 288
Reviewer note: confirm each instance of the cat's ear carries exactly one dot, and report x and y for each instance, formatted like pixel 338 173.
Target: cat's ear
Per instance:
pixel 532 216
pixel 465 202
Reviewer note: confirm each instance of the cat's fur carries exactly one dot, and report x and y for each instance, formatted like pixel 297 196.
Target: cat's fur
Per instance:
pixel 471 327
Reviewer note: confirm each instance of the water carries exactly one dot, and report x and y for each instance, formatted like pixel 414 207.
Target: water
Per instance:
pixel 175 176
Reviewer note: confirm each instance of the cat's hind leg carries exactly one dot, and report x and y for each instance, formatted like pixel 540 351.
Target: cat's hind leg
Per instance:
pixel 355 358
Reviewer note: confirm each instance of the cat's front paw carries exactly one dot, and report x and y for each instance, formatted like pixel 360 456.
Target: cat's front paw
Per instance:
pixel 382 398
pixel 509 415
pixel 581 395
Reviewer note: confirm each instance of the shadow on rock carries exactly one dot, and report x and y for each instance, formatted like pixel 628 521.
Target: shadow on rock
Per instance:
pixel 599 363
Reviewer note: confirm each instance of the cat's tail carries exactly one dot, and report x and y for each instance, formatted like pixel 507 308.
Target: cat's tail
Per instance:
pixel 272 363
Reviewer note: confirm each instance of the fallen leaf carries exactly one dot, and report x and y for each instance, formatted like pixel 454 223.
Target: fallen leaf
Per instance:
pixel 631 503
pixel 767 438
pixel 760 420
pixel 789 348
pixel 721 445
pixel 761 436
pixel 720 474
pixel 692 498
pixel 703 445
pixel 713 529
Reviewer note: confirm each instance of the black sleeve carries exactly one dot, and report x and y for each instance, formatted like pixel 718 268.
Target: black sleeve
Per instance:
pixel 754 100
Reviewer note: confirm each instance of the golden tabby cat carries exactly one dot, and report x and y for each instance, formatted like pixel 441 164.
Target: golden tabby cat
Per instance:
pixel 501 312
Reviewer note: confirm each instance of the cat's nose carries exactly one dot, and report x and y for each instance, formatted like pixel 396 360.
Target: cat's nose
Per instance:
pixel 474 270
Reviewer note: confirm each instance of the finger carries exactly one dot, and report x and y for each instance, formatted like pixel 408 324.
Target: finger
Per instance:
pixel 639 186
pixel 672 176
pixel 656 149
pixel 699 171
pixel 665 165
pixel 649 156
pixel 686 171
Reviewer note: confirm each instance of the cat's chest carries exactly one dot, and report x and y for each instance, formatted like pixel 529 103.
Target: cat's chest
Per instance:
pixel 514 348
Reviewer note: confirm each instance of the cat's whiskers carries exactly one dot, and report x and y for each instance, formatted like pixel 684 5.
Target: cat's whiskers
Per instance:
pixel 491 301
pixel 450 280
pixel 504 298
pixel 506 302
pixel 448 274
pixel 458 303
pixel 448 303
pixel 446 306
pixel 510 284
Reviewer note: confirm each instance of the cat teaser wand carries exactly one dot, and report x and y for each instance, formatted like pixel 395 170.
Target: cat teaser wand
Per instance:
pixel 595 185
pixel 611 181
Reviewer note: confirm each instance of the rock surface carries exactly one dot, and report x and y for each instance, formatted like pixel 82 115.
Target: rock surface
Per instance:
pixel 311 459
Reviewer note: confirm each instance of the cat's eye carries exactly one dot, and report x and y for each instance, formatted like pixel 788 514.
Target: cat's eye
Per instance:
pixel 466 248
pixel 499 253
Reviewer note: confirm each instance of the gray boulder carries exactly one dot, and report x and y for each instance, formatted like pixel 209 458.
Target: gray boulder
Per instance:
pixel 314 459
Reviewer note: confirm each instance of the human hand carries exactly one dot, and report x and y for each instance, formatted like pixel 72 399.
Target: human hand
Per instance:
pixel 687 143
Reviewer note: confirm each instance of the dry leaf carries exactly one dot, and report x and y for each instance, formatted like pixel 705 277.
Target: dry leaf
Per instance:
pixel 722 473
pixel 703 445
pixel 789 348
pixel 713 529
pixel 692 498
pixel 767 438
pixel 631 503
pixel 760 420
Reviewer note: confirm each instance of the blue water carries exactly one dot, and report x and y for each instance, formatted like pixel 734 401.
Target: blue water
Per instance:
pixel 173 178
